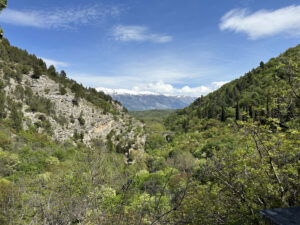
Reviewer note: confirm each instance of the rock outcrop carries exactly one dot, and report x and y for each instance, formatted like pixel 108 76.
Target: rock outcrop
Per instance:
pixel 81 119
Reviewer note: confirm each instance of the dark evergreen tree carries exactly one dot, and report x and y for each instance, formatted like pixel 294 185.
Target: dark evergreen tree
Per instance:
pixel 63 76
pixel 250 111
pixel 223 117
pixel 262 65
pixel 2 104
pixel 52 71
pixel 37 72
pixel 3 4
pixel 237 111
pixel 268 103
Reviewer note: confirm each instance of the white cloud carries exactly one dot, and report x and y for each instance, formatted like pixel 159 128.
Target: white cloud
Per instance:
pixel 55 63
pixel 264 22
pixel 218 84
pixel 138 33
pixel 168 89
pixel 134 77
pixel 57 18
pixel 135 85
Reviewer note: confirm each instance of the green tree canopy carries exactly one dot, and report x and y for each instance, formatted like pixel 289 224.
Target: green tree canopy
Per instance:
pixel 3 4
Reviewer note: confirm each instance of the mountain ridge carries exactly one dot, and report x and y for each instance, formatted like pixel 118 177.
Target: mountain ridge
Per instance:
pixel 139 101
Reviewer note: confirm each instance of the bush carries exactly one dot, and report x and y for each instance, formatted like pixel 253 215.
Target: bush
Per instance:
pixel 81 120
pixel 62 90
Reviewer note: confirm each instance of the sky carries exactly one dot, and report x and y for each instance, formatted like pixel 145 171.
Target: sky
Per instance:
pixel 174 47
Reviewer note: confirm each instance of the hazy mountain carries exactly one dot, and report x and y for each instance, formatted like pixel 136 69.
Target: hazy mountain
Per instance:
pixel 134 100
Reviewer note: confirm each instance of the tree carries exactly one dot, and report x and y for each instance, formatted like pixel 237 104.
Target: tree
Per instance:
pixel 62 90
pixel 63 75
pixel 3 4
pixel 223 117
pixel 52 71
pixel 16 117
pixel 250 111
pixel 81 119
pixel 2 104
pixel 237 111
pixel 37 72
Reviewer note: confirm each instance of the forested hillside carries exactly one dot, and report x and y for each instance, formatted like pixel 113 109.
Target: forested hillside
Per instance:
pixel 246 141
pixel 270 90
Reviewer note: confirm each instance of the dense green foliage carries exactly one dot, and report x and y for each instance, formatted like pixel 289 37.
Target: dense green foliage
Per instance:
pixel 246 138
pixel 239 147
pixel 3 4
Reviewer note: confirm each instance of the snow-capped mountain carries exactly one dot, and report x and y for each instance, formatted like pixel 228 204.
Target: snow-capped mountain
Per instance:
pixel 125 92
pixel 146 100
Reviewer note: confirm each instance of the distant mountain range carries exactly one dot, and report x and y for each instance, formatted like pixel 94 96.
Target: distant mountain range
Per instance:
pixel 137 101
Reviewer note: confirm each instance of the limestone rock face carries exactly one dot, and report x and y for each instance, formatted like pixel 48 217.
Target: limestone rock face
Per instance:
pixel 85 119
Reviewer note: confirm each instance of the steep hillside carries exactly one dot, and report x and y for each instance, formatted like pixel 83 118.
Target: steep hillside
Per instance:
pixel 49 102
pixel 238 146
pixel 270 90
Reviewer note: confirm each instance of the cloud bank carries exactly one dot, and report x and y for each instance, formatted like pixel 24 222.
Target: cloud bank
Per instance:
pixel 57 18
pixel 138 33
pixel 263 23
pixel 167 89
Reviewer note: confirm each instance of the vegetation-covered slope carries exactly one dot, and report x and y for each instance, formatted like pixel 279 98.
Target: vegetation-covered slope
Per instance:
pixel 271 90
pixel 246 142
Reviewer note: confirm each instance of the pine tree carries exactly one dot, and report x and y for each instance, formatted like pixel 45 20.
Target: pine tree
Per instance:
pixel 250 111
pixel 223 117
pixel 237 111
pixel 52 71
pixel 3 4
pixel 2 104
pixel 37 72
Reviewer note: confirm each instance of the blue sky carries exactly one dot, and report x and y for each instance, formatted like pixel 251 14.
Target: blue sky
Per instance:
pixel 185 47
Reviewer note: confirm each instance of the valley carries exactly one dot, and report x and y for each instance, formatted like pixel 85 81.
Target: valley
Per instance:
pixel 73 154
pixel 69 157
